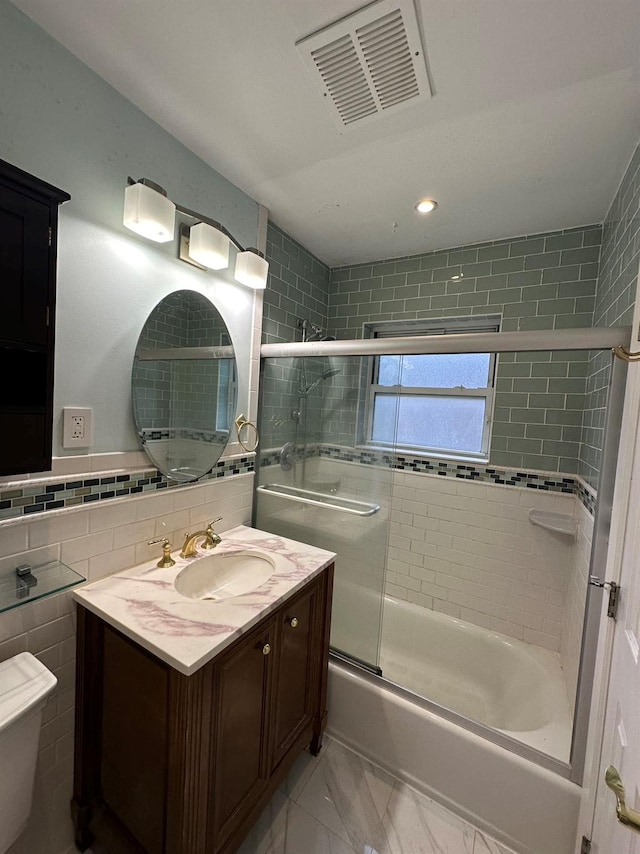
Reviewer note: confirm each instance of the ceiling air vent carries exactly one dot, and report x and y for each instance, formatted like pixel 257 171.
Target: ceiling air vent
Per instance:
pixel 369 63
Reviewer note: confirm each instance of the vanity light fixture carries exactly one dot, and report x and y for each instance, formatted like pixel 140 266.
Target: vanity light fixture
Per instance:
pixel 209 246
pixel 251 270
pixel 149 212
pixel 205 244
pixel 425 206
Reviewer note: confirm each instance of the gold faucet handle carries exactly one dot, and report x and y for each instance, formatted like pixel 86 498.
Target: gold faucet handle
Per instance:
pixel 166 560
pixel 212 539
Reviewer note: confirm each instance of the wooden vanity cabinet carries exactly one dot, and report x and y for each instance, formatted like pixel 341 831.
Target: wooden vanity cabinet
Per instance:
pixel 173 764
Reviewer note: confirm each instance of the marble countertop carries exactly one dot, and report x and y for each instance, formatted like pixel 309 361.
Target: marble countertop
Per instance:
pixel 144 605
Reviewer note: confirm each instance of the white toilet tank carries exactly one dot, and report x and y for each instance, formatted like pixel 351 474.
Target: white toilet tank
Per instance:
pixel 25 684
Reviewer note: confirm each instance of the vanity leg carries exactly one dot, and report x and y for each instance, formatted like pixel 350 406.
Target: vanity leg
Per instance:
pixel 81 817
pixel 316 739
pixel 87 728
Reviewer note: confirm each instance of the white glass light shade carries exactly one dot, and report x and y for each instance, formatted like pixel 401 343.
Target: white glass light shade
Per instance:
pixel 251 270
pixel 208 246
pixel 149 213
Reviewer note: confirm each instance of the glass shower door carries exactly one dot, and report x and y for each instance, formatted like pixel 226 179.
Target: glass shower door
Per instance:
pixel 316 486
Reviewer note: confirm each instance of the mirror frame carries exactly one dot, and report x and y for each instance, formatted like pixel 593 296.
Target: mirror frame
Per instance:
pixel 176 450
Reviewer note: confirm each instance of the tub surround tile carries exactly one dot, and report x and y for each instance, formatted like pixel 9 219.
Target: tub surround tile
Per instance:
pixel 526 479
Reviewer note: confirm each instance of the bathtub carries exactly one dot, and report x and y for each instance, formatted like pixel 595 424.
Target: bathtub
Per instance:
pixel 514 688
pixel 503 683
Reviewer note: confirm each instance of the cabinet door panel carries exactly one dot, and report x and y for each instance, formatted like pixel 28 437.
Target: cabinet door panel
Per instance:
pixel 295 679
pixel 241 772
pixel 24 261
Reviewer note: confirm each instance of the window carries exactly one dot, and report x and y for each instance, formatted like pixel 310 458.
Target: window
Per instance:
pixel 439 404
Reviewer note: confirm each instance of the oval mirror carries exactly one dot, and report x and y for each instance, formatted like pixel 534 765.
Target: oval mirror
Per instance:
pixel 184 386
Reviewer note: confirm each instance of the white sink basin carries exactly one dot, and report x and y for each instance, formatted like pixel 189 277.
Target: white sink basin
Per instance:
pixel 224 575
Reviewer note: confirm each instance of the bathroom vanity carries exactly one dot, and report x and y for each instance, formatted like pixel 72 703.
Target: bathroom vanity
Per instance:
pixel 191 711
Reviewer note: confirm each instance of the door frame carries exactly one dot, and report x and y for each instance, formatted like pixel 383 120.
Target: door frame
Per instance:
pixel 612 571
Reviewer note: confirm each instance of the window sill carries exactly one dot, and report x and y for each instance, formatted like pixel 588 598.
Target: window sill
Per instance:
pixel 425 455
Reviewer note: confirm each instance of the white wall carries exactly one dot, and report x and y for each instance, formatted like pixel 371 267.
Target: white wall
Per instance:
pixel 64 124
pixel 108 285
pixel 96 541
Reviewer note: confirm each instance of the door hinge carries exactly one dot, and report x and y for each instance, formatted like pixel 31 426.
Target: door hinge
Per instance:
pixel 585 848
pixel 50 232
pixel 614 594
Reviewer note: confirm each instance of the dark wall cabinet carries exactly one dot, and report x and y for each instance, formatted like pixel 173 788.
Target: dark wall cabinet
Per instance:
pixel 173 764
pixel 28 240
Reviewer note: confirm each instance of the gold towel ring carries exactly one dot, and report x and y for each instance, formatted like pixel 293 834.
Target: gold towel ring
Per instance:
pixel 242 422
pixel 626 355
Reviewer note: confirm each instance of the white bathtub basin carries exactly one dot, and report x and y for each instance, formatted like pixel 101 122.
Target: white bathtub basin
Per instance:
pixel 487 677
pixel 481 674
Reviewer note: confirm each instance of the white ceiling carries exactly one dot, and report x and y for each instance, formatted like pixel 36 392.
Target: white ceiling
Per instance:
pixel 535 114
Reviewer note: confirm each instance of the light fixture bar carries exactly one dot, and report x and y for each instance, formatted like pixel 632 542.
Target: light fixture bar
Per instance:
pixel 149 212
pixel 212 222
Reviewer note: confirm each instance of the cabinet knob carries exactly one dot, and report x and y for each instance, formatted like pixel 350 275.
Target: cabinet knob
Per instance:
pixel 266 649
pixel 293 622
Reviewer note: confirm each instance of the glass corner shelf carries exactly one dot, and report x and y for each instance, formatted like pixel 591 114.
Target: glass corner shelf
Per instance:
pixel 26 583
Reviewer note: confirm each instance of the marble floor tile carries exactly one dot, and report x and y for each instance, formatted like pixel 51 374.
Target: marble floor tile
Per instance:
pixel 349 796
pixel 486 845
pixel 265 831
pixel 303 768
pixel 417 825
pixel 302 834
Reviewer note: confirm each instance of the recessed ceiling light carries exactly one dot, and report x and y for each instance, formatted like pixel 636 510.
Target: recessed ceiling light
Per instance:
pixel 426 206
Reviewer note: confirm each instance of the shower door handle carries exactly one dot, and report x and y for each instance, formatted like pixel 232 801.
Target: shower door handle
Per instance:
pixel 630 818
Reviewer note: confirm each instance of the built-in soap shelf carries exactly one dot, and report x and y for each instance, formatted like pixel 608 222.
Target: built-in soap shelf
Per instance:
pixel 25 583
pixel 560 523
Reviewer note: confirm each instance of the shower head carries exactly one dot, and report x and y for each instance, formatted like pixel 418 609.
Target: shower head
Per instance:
pixel 316 333
pixel 330 372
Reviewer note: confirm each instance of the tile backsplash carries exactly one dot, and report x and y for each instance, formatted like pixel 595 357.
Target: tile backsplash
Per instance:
pixel 96 539
pixel 23 498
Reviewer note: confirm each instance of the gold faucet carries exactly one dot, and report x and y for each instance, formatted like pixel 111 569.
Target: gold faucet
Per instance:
pixel 211 540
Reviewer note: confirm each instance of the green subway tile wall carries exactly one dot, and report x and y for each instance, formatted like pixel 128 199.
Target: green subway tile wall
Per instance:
pixel 615 294
pixel 550 407
pixel 545 281
pixel 298 287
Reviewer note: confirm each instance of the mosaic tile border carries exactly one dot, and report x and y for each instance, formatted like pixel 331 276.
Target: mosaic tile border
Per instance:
pixel 76 490
pixel 154 434
pixel 587 496
pixel 543 481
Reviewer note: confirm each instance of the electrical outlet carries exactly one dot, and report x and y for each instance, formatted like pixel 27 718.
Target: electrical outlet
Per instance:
pixel 76 428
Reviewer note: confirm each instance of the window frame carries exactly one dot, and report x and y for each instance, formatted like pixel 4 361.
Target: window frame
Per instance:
pixel 439 326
